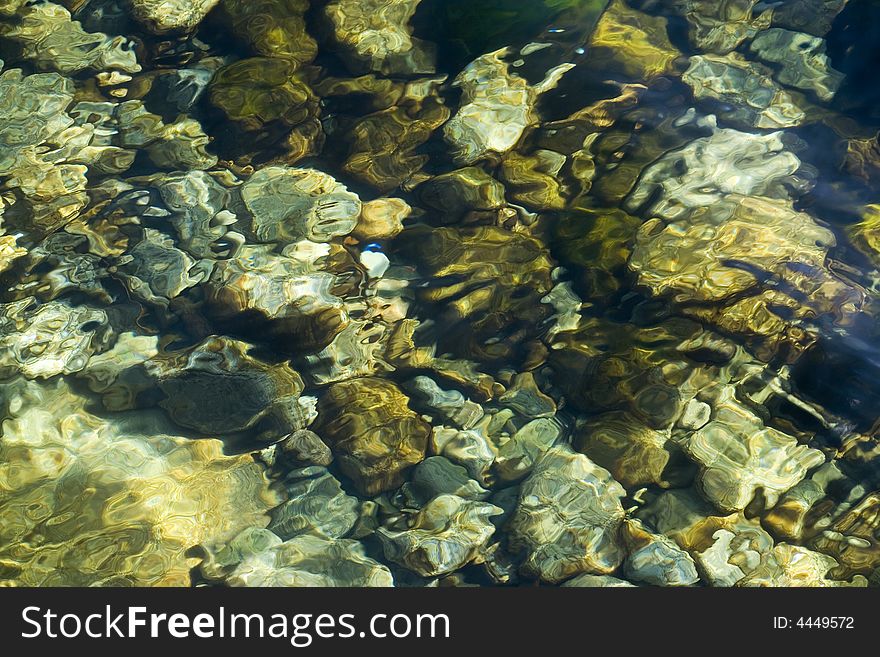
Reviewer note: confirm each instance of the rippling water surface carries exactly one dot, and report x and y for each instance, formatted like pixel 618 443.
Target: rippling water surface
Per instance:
pixel 418 293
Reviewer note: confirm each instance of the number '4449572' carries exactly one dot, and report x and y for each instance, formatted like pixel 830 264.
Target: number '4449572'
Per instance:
pixel 825 622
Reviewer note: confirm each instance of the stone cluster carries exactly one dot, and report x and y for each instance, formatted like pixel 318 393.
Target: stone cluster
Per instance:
pixel 325 308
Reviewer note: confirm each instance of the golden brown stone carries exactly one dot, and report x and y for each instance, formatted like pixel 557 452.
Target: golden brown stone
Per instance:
pixel 375 436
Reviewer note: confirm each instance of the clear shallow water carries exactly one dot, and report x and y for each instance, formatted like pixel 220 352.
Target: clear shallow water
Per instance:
pixel 371 293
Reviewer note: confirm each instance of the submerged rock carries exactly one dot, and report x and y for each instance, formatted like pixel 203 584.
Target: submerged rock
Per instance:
pixel 497 106
pixel 216 387
pixel 811 16
pixel 316 504
pixel 517 457
pixel 488 280
pixel 437 475
pixel 197 204
pixel 713 238
pixel 44 150
pixel 91 501
pixel 286 296
pixel 596 581
pixel 385 147
pixel 271 28
pixel 271 106
pixel 47 36
pixel 720 26
pixel 734 551
pixel 359 349
pixel 739 456
pixel 568 518
pixel 604 366
pixel 287 205
pixel 725 548
pixel 534 179
pixel 595 244
pixel 802 58
pixel 257 557
pixel 155 272
pixel 374 36
pixel 722 255
pixel 525 397
pixel 161 16
pixel 655 559
pixel 373 433
pixel 43 340
pixel 796 566
pixel 381 219
pixel 634 453
pixel 177 145
pixel 610 162
pixel 457 192
pixel 257 91
pixel 468 448
pixel 450 405
pixel 746 93
pixel 630 42
pixel 862 160
pixel 853 538
pixel 447 533
pixel 182 89
pixel 304 446
pixel 9 251
pixel 575 133
pixel 796 516
pixel 709 169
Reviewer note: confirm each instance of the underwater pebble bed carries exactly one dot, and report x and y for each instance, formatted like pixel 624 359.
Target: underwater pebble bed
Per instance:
pixel 422 293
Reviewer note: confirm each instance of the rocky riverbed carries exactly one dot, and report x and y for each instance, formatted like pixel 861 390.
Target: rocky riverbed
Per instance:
pixel 422 293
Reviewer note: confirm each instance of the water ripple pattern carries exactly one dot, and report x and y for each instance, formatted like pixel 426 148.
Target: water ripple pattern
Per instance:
pixel 423 292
